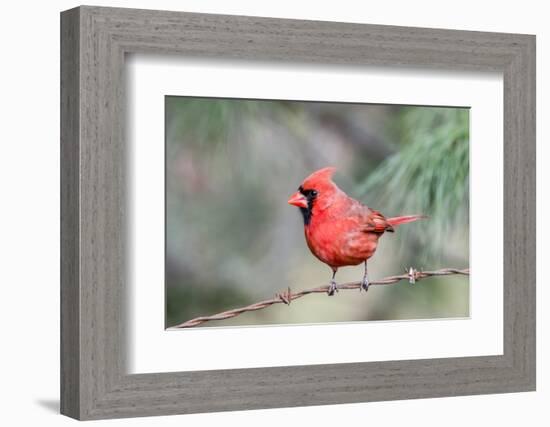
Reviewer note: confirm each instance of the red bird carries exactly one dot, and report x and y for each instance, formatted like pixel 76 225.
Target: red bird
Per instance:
pixel 339 230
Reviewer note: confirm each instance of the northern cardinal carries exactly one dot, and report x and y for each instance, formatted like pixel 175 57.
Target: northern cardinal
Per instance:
pixel 340 231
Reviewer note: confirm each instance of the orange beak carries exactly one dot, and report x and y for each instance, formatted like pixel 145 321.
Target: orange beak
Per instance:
pixel 298 199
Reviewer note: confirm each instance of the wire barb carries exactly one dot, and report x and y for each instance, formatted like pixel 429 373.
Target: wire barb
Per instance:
pixel 413 275
pixel 285 297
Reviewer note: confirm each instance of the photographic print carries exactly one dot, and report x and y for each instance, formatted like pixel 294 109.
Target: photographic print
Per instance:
pixel 294 212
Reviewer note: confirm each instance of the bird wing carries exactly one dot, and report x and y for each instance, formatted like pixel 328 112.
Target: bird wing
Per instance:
pixel 368 220
pixel 375 222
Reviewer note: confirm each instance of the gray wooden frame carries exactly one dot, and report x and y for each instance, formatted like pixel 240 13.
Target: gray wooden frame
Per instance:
pixel 94 41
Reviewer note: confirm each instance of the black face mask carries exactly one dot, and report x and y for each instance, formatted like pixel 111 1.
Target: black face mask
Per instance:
pixel 310 195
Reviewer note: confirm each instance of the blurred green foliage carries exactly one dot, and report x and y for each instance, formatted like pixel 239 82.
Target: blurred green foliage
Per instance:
pixel 428 175
pixel 231 238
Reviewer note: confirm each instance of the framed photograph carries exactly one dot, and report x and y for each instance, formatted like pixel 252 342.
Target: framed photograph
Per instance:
pixel 261 213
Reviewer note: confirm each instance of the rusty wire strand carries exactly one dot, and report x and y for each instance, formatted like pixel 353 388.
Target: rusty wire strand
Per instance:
pixel 286 297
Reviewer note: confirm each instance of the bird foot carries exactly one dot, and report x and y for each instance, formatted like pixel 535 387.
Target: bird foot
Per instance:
pixel 364 284
pixel 332 287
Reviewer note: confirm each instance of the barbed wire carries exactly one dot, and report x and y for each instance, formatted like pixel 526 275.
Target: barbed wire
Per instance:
pixel 286 297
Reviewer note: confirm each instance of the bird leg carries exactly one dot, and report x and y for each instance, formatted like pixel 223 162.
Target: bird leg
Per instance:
pixel 365 281
pixel 333 287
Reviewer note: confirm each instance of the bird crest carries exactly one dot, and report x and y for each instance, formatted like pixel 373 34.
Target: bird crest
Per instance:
pixel 320 178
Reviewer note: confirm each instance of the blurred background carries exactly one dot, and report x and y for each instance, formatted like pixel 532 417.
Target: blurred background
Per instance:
pixel 232 239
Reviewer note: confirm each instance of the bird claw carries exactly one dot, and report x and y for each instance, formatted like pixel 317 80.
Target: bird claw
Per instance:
pixel 364 285
pixel 332 287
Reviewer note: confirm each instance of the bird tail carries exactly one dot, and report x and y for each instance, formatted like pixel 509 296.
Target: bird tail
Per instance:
pixel 398 220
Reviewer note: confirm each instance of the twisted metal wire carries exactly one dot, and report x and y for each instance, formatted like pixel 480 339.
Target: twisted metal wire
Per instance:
pixel 286 297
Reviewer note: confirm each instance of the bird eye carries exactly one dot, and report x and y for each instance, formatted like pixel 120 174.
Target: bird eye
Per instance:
pixel 314 193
